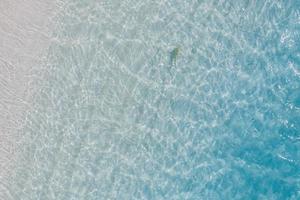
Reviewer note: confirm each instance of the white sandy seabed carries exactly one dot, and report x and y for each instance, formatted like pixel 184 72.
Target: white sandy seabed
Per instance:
pixel 25 29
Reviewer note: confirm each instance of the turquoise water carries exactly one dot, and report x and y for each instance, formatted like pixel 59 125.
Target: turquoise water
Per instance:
pixel 121 116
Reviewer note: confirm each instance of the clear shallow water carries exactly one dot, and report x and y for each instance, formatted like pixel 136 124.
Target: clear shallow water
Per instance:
pixel 115 119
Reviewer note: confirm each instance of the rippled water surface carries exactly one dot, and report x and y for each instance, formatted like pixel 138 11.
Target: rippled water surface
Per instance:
pixel 174 99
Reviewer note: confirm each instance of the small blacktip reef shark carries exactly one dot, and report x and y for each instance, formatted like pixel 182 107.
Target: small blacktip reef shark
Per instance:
pixel 173 56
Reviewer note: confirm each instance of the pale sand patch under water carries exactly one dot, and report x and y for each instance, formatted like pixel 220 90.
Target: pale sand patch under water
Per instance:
pixel 25 30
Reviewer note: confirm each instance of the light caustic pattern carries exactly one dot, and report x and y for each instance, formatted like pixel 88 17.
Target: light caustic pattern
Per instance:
pixel 116 120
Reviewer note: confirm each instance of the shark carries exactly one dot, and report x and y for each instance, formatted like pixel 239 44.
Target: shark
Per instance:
pixel 173 55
